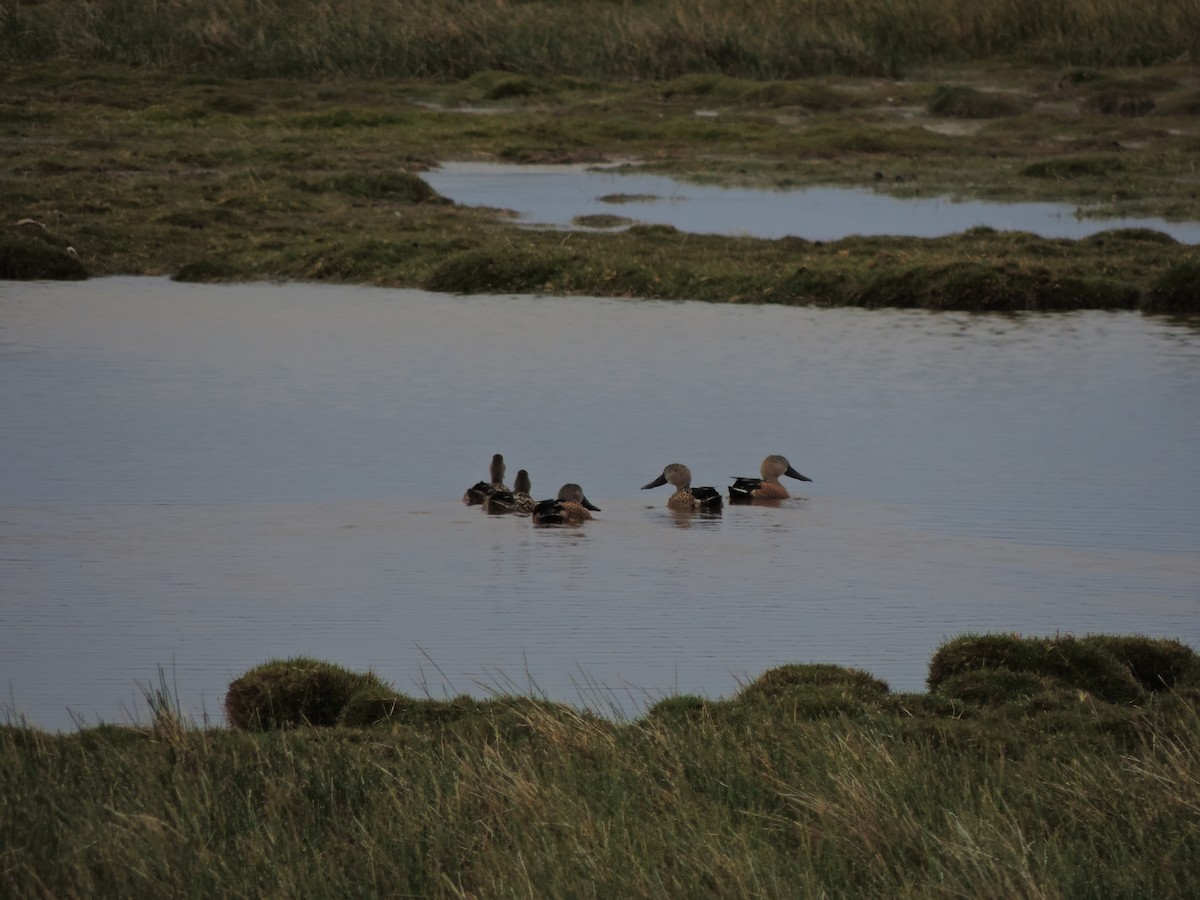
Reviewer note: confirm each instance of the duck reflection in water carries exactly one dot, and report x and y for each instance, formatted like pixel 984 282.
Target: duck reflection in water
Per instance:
pixel 766 487
pixel 570 507
pixel 686 498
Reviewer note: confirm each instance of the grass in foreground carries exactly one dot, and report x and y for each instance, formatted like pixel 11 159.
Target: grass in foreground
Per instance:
pixel 1034 767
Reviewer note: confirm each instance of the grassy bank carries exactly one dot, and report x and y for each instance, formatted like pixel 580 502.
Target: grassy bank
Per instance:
pixel 246 140
pixel 653 39
pixel 1033 767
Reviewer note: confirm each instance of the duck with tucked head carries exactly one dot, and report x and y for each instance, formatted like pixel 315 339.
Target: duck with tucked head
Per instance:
pixel 478 492
pixel 517 501
pixel 686 497
pixel 747 490
pixel 570 507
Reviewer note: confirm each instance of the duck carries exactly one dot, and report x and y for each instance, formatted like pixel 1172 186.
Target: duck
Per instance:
pixel 767 487
pixel 517 501
pixel 570 507
pixel 481 489
pixel 686 497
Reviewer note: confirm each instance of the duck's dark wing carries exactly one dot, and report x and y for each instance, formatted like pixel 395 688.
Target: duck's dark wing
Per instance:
pixel 742 490
pixel 708 497
pixel 548 512
pixel 478 492
pixel 500 502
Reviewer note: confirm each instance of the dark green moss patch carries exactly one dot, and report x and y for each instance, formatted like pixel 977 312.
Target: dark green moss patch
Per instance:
pixel 628 198
pixel 1157 664
pixel 1177 290
pixel 294 692
pixel 27 254
pixel 1070 168
pixel 1089 665
pixel 991 287
pixel 968 103
pixel 404 187
pixel 601 220
pixel 483 272
pixel 1124 103
pixel 202 271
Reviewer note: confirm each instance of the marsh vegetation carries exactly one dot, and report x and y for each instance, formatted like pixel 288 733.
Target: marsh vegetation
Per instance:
pixel 242 143
pixel 1033 767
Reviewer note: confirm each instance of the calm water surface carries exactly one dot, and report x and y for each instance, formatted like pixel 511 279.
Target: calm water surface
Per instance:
pixel 205 477
pixel 556 195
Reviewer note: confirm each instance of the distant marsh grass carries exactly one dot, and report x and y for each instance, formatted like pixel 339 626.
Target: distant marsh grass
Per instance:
pixel 658 39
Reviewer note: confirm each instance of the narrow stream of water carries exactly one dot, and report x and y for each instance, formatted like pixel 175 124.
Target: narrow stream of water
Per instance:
pixel 556 196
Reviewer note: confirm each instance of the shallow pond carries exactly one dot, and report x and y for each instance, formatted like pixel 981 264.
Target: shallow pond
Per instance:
pixel 557 195
pixel 204 477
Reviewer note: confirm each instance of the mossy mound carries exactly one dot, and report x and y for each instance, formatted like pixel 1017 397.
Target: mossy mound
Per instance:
pixel 1068 168
pixel 1130 235
pixel 986 668
pixel 988 287
pixel 395 187
pixel 788 680
pixel 295 692
pixel 1177 290
pixel 967 103
pixel 680 708
pixel 1157 664
pixel 601 220
pixel 203 271
pixel 1128 103
pixel 996 687
pixel 29 252
pixel 815 691
pixel 482 272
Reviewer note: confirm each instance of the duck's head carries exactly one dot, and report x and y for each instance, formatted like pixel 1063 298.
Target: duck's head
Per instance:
pixel 573 493
pixel 775 465
pixel 497 469
pixel 521 483
pixel 676 474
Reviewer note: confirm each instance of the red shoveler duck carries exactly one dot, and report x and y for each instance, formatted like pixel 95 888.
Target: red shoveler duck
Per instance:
pixel 767 487
pixel 480 491
pixel 518 501
pixel 686 497
pixel 570 507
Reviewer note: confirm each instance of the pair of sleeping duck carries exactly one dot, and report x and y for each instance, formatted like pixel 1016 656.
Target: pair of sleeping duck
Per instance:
pixel 743 490
pixel 570 507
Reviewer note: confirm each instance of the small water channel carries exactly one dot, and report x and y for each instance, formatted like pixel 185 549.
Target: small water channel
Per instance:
pixel 556 196
pixel 203 477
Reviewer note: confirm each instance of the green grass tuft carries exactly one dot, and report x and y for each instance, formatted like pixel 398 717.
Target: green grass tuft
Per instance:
pixel 1177 290
pixel 1098 665
pixel 295 692
pixel 968 103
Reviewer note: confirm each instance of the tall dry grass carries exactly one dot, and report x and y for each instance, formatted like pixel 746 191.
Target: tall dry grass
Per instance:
pixel 559 804
pixel 813 781
pixel 655 39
